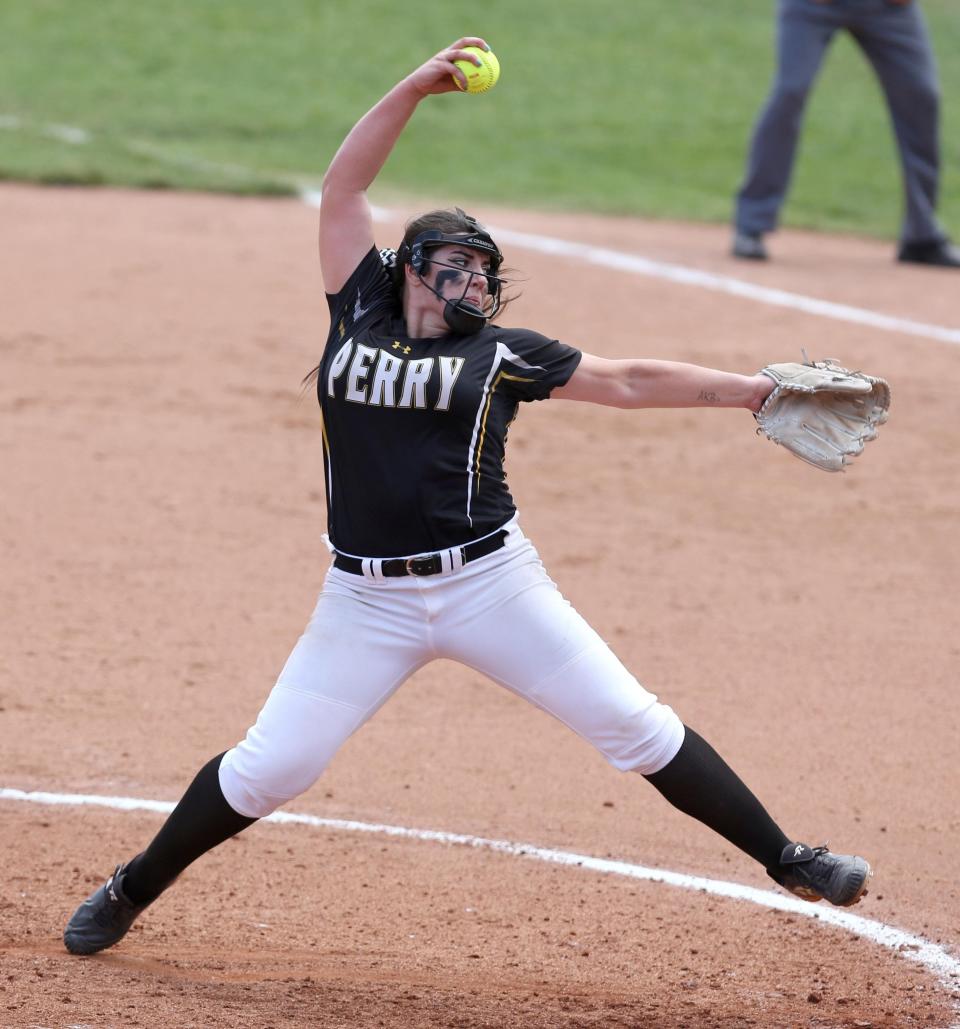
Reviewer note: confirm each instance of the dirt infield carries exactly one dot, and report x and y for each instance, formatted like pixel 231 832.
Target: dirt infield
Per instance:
pixel 160 541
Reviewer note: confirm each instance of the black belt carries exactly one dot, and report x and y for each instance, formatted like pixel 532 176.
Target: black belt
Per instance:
pixel 425 564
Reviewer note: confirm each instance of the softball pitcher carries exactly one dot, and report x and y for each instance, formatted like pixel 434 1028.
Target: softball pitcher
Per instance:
pixel 418 387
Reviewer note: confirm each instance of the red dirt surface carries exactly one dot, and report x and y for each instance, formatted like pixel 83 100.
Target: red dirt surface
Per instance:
pixel 160 542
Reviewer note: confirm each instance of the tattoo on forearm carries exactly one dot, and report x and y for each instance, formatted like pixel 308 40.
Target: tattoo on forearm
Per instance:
pixel 709 397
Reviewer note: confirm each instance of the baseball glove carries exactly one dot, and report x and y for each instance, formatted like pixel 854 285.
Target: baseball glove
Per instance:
pixel 822 412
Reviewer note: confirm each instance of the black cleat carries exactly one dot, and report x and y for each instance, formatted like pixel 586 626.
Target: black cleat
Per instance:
pixel 103 919
pixel 940 253
pixel 816 874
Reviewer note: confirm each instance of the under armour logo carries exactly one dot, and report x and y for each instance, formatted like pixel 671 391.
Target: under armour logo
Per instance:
pixel 799 850
pixel 401 348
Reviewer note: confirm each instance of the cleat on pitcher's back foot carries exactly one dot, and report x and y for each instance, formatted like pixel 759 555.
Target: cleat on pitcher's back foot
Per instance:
pixel 816 874
pixel 103 919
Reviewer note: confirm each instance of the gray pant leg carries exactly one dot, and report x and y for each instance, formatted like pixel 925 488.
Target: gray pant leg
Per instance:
pixel 896 43
pixel 804 31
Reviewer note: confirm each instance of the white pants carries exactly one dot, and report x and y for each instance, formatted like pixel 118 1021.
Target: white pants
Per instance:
pixel 501 615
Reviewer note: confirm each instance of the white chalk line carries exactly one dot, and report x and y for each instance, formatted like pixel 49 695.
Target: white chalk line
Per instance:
pixel 682 275
pixel 613 259
pixel 914 948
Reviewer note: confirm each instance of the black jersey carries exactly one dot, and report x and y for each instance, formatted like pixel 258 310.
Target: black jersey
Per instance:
pixel 414 430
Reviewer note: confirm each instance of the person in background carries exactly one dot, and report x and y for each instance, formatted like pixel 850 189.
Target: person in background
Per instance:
pixel 893 36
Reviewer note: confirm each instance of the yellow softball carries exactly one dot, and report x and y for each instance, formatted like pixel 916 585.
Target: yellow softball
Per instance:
pixel 479 78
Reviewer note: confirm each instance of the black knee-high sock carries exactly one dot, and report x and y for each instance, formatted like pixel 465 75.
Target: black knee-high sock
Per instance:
pixel 201 820
pixel 701 784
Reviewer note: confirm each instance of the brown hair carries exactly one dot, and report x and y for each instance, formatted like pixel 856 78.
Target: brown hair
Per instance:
pixel 451 220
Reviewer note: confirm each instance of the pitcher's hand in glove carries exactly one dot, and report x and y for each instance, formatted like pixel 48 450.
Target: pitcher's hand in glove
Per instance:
pixel 822 412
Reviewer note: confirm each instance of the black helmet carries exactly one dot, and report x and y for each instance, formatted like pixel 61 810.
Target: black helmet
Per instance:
pixel 461 315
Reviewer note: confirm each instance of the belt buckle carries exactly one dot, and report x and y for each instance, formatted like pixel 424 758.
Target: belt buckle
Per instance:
pixel 428 564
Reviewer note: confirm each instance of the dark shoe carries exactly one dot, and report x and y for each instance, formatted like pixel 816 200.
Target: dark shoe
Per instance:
pixel 103 919
pixel 939 252
pixel 819 875
pixel 749 246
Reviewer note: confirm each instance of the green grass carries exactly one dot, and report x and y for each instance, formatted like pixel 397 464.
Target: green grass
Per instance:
pixel 641 108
